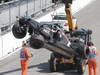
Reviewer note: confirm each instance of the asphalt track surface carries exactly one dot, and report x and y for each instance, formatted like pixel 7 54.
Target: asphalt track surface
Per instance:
pixel 87 18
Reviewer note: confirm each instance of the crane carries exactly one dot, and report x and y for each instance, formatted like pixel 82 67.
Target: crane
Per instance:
pixel 69 15
pixel 68 53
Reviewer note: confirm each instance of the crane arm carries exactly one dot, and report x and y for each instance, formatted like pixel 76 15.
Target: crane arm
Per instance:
pixel 69 15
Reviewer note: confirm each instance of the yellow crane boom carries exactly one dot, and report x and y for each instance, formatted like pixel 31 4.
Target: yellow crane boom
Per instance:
pixel 69 15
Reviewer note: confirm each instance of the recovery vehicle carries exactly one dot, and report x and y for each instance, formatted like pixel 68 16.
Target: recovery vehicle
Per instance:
pixel 68 49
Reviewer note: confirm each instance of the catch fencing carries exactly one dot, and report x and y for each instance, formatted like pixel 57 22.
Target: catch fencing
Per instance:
pixel 9 11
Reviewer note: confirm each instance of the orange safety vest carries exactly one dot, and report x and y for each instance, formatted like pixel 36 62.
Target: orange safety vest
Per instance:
pixel 22 54
pixel 92 52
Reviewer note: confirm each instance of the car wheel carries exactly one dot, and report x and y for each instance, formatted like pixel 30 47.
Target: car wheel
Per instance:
pixel 19 32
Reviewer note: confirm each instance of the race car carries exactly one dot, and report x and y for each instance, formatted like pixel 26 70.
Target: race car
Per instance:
pixel 54 24
pixel 68 53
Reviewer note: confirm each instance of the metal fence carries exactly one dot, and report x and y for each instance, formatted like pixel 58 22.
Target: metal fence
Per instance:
pixel 9 10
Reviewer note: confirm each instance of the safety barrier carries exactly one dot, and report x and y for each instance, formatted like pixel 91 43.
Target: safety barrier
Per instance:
pixel 9 10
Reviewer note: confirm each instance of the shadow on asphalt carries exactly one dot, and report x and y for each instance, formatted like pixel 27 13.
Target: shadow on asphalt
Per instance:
pixel 71 73
pixel 43 68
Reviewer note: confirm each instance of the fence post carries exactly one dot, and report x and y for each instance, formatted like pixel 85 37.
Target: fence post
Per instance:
pixel 9 15
pixel 27 14
pixel 34 5
pixel 45 3
pixel 19 8
pixel 40 4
